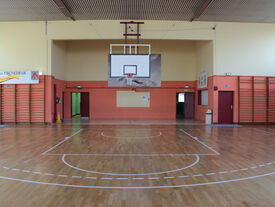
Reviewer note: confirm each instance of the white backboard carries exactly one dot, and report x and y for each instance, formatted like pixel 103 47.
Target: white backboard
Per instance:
pixel 123 64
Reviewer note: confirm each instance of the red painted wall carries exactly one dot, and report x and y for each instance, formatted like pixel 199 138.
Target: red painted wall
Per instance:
pixel 163 99
pixel 223 83
pixel 103 100
pixel 60 87
pixel 201 109
pixel 48 99
pixel 162 103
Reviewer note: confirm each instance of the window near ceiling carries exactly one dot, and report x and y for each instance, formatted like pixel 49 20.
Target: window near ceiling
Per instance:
pixel 181 97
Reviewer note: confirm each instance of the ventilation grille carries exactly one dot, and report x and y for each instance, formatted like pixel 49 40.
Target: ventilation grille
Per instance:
pixel 28 10
pixel 133 9
pixel 240 11
pixel 218 10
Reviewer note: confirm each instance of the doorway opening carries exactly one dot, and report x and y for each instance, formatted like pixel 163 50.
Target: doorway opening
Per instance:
pixel 185 106
pixel 80 105
pixel 180 106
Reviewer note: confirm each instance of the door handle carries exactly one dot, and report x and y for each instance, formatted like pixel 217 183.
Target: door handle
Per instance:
pixel 231 106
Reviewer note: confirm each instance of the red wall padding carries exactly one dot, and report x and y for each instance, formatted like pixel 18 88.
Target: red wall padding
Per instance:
pixel 260 99
pixel 8 103
pixel 271 98
pixel 256 99
pixel 23 103
pixel 37 102
pixel 245 100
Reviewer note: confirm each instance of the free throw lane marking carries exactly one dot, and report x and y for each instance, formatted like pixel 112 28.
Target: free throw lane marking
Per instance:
pixel 202 143
pixel 61 142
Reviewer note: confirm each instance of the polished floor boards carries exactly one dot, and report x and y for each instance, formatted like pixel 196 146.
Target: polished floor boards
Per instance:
pixel 137 164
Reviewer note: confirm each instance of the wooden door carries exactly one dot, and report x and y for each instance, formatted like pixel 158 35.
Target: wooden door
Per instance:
pixel 55 104
pixel 225 107
pixel 189 105
pixel 84 104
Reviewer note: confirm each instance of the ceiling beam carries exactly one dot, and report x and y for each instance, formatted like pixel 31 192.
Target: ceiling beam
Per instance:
pixel 201 9
pixel 64 9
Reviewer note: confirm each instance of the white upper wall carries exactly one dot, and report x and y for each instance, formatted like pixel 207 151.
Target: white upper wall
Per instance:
pixel 240 48
pixel 205 58
pixel 23 46
pixel 112 29
pixel 88 59
pixel 59 55
pixel 245 49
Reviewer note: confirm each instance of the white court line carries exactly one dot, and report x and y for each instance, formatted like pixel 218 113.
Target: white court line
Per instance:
pixel 202 143
pixel 153 178
pixel 94 178
pixel 122 178
pixel 138 187
pixel 150 178
pixel 64 140
pixel 49 174
pixel 76 176
pixel 121 174
pixel 138 178
pixel 131 155
pixel 62 176
pixel 102 134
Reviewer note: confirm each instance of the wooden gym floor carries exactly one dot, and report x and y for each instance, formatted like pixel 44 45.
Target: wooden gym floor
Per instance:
pixel 137 164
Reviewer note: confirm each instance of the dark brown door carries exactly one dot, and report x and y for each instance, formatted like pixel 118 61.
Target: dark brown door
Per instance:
pixel 84 105
pixel 225 107
pixel 55 104
pixel 63 96
pixel 189 105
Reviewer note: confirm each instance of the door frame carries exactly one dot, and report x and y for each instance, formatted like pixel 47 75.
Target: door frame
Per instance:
pixel 194 106
pixel 80 102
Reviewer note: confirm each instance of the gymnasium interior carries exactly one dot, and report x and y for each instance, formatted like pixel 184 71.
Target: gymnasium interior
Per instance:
pixel 137 103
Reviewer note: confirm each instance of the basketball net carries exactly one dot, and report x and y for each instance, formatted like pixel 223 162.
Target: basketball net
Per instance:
pixel 129 78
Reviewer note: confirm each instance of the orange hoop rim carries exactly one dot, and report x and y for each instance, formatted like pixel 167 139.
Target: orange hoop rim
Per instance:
pixel 129 75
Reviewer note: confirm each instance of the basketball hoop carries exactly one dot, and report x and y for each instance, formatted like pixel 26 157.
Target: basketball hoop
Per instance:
pixel 129 78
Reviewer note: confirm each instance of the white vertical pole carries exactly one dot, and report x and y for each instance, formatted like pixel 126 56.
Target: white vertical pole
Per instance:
pixel 111 49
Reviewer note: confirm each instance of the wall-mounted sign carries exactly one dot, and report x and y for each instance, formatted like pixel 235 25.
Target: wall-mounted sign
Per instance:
pixel 146 98
pixel 58 100
pixel 19 77
pixel 202 78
